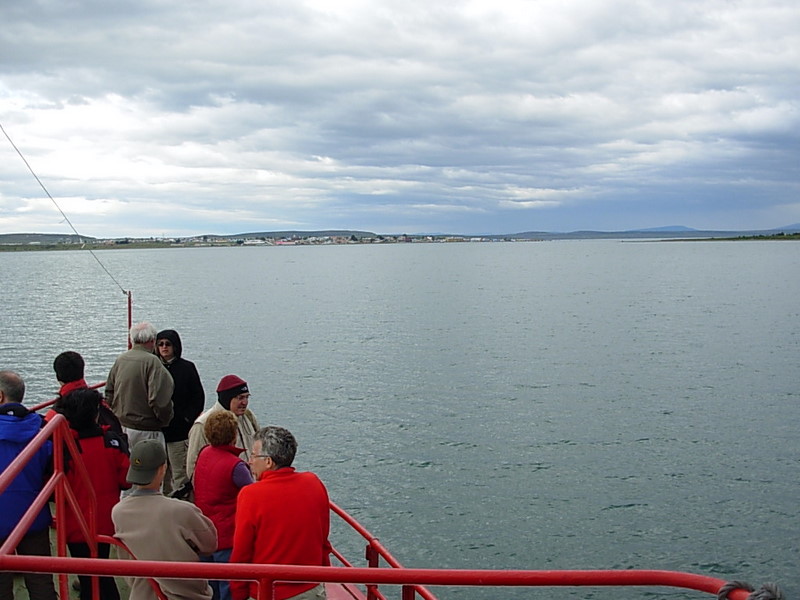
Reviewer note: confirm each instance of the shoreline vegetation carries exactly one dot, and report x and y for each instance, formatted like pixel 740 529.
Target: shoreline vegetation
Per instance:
pixel 49 242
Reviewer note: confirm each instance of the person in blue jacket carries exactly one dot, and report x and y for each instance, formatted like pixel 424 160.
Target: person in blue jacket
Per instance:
pixel 18 426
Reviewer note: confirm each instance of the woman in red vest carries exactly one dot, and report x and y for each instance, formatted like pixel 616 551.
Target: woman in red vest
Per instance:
pixel 218 476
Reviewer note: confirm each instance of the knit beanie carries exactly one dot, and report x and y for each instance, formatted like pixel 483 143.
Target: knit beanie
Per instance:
pixel 228 388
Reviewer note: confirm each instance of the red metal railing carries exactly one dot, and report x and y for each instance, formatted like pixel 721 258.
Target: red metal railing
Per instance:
pixel 58 431
pixel 410 580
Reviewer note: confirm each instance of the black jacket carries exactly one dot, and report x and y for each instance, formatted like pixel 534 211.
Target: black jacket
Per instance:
pixel 188 398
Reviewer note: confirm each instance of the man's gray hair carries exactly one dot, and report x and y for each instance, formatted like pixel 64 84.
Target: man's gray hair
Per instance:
pixel 143 332
pixel 277 443
pixel 12 385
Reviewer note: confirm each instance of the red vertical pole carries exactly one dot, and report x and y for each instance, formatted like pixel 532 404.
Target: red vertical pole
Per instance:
pixel 266 589
pixel 60 502
pixel 373 561
pixel 130 319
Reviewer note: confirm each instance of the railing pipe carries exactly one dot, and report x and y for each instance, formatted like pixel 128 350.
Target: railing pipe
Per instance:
pixel 294 573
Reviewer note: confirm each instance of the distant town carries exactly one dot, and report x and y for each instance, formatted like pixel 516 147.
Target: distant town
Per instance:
pixel 73 242
pixel 51 241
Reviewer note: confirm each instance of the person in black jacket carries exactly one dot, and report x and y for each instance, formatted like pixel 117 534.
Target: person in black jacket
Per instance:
pixel 188 401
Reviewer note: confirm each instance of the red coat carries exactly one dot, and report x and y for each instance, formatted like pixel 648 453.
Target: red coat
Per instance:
pixel 214 490
pixel 283 518
pixel 107 463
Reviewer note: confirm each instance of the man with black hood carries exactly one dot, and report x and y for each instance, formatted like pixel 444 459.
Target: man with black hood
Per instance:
pixel 188 401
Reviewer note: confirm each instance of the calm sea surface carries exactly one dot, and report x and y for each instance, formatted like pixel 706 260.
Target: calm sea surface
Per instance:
pixel 554 405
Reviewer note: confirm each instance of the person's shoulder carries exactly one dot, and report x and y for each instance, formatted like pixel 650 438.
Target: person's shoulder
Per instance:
pixel 186 363
pixel 151 358
pixel 112 439
pixel 133 504
pixel 18 416
pixel 134 351
pixel 256 488
pixel 311 478
pixel 181 509
pixel 17 410
pixel 251 417
pixel 200 420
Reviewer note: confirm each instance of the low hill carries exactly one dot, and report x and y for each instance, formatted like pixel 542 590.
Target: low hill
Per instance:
pixel 43 238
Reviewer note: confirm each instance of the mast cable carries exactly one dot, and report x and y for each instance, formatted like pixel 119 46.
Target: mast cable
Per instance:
pixel 66 218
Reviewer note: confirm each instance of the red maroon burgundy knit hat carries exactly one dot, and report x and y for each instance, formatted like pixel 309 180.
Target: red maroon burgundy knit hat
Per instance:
pixel 228 388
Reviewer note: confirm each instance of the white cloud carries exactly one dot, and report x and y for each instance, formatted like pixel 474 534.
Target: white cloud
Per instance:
pixel 459 116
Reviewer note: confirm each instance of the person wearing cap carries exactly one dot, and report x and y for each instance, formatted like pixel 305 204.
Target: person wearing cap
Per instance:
pixel 156 527
pixel 188 400
pixel 282 519
pixel 139 388
pixel 233 394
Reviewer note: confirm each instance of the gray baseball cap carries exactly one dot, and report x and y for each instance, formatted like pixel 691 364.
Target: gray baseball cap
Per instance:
pixel 146 457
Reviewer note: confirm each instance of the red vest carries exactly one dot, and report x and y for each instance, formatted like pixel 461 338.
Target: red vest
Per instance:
pixel 214 491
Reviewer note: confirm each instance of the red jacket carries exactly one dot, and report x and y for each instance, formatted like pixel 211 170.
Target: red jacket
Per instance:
pixel 214 490
pixel 283 518
pixel 107 417
pixel 107 463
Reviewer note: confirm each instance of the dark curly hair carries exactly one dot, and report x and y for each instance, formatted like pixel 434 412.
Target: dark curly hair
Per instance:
pixel 80 407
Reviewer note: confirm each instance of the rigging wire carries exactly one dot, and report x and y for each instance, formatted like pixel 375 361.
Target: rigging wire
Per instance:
pixel 66 218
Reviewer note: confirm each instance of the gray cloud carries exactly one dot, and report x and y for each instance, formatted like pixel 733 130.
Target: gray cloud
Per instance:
pixel 218 117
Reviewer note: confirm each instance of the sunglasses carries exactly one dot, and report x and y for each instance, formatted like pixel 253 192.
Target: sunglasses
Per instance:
pixel 162 343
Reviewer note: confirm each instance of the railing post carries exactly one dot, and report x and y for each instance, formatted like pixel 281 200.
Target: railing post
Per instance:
pixel 373 558
pixel 60 502
pixel 130 319
pixel 408 593
pixel 266 589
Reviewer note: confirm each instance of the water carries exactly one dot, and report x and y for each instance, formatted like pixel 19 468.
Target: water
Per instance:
pixel 581 404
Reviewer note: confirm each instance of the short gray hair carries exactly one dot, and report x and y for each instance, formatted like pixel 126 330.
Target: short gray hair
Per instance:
pixel 277 443
pixel 143 332
pixel 12 385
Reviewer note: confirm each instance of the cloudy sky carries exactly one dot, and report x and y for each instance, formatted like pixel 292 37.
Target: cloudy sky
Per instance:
pixel 159 117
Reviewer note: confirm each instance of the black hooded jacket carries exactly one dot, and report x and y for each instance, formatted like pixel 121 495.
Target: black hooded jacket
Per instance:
pixel 188 398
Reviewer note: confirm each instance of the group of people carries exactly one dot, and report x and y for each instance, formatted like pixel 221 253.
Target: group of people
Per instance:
pixel 173 482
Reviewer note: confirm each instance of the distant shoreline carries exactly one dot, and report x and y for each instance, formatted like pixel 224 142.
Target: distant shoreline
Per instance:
pixel 158 244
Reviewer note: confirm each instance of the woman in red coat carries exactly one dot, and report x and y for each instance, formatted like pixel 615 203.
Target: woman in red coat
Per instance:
pixel 105 455
pixel 218 476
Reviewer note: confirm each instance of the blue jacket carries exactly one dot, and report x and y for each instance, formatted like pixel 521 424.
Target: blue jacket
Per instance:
pixel 16 431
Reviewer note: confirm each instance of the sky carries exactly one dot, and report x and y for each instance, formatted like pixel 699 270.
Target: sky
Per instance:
pixel 169 118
